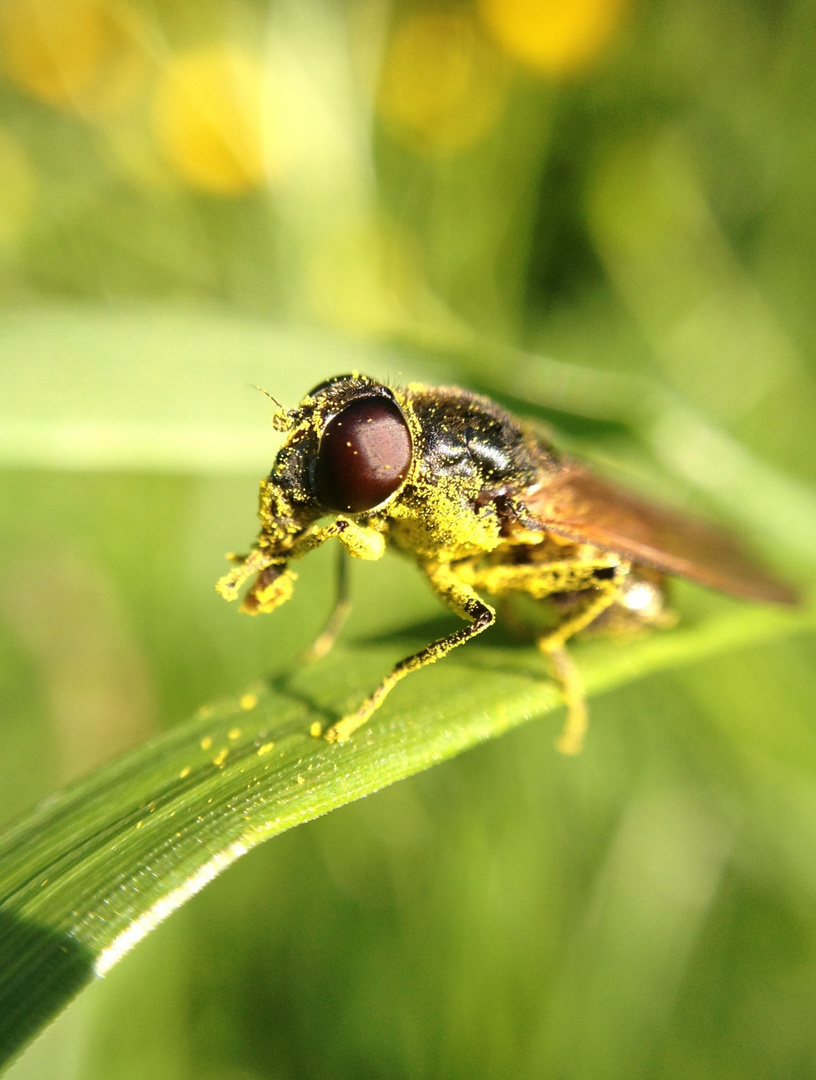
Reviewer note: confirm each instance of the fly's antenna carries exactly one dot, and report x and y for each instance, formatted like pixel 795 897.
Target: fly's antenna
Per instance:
pixel 281 420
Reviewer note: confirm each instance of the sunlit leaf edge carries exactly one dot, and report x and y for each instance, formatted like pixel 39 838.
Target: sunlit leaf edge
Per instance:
pixel 92 870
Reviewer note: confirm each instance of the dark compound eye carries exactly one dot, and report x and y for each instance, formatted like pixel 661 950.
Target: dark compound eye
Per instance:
pixel 364 455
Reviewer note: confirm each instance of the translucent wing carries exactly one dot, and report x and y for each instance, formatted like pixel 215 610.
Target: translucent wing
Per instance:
pixel 576 504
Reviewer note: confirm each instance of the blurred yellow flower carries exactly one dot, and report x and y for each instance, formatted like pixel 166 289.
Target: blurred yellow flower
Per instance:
pixel 17 187
pixel 442 85
pixel 364 278
pixel 207 118
pixel 80 55
pixel 554 37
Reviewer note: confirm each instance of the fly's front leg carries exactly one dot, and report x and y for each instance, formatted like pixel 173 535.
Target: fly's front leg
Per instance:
pixel 361 542
pixel 462 600
pixel 268 562
pixel 325 640
pixel 273 585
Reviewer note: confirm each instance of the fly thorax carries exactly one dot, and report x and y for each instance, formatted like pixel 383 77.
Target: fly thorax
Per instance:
pixel 442 520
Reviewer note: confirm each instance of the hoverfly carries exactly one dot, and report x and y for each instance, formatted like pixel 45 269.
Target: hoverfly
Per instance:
pixel 485 506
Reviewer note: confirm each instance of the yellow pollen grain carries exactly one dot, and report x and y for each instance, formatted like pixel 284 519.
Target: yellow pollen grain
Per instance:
pixel 266 748
pixel 206 742
pixel 301 780
pixel 248 701
pixel 220 757
pixel 234 733
pixel 185 772
pixel 316 730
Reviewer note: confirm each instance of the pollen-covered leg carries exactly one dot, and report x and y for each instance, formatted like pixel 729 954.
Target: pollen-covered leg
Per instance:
pixel 571 739
pixel 246 566
pixel 325 640
pixel 553 645
pixel 459 598
pixel 359 542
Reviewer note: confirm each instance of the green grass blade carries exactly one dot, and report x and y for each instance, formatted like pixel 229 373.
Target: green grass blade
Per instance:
pixel 94 869
pixel 160 387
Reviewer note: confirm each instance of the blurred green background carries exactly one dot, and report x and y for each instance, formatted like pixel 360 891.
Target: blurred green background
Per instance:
pixel 600 212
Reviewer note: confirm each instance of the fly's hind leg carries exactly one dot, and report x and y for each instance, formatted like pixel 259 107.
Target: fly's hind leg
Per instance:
pixel 462 600
pixel 571 739
pixel 554 646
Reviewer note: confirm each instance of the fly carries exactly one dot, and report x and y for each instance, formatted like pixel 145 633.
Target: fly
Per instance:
pixel 485 507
